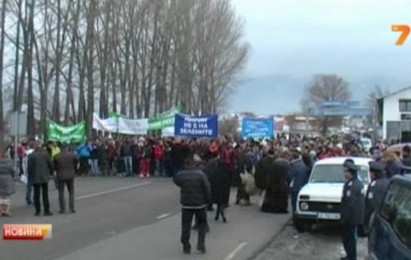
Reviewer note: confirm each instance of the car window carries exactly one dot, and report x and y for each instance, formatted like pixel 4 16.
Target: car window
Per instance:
pixel 366 142
pixel 396 210
pixel 333 173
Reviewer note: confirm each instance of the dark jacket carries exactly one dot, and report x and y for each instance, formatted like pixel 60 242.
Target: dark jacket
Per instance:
pixel 276 189
pixel 394 168
pixel 65 165
pixel 39 167
pixel 406 160
pixel 263 168
pixel 298 175
pixel 194 188
pixel 373 197
pixel 219 179
pixel 352 203
pixel 6 177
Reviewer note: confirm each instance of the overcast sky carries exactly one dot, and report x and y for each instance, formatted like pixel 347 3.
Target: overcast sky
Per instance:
pixel 291 40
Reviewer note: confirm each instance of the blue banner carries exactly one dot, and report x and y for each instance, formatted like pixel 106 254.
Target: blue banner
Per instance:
pixel 257 128
pixel 196 126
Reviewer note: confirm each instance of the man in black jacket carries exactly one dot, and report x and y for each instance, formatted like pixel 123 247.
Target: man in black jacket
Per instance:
pixel 40 170
pixel 195 195
pixel 375 191
pixel 352 209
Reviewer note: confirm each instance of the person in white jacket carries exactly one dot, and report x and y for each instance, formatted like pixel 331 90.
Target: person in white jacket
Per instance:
pixel 24 178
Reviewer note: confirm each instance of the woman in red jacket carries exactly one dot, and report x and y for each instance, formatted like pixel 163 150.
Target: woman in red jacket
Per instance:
pixel 145 160
pixel 159 157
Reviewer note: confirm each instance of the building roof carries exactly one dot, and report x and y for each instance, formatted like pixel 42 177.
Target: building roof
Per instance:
pixel 395 92
pixel 380 101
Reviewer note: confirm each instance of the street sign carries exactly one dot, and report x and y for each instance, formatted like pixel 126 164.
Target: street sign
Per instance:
pixel 340 104
pixel 18 123
pixel 340 111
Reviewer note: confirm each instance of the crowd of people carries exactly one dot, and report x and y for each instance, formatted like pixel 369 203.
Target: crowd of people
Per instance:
pixel 205 170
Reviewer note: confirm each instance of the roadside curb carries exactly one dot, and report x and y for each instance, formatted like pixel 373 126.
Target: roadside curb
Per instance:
pixel 270 241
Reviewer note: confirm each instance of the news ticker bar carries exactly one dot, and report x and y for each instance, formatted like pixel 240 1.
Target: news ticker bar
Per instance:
pixel 27 232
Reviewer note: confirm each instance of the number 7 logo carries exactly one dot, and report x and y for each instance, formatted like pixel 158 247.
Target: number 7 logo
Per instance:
pixel 404 30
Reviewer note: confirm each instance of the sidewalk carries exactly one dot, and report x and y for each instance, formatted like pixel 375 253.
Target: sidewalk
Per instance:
pixel 247 231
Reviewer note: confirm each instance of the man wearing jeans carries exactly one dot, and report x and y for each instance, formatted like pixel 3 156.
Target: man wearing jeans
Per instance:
pixel 195 195
pixel 126 155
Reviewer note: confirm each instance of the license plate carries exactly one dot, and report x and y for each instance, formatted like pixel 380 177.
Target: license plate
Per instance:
pixel 333 216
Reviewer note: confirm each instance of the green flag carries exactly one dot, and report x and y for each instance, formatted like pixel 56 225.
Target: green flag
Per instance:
pixel 163 120
pixel 116 115
pixel 66 134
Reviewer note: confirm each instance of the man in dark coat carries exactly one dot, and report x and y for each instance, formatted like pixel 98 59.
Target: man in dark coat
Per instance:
pixel 40 170
pixel 245 164
pixel 220 185
pixel 352 209
pixel 262 169
pixel 65 166
pixel 298 176
pixel 195 195
pixel 375 191
pixel 276 189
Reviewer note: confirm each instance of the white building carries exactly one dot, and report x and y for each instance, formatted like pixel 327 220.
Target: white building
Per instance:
pixel 395 114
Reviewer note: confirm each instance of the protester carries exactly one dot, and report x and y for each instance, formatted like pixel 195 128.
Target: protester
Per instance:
pixel 298 175
pixel 220 185
pixel 6 185
pixel 195 195
pixel 83 153
pixel 40 170
pixel 394 165
pixel 29 185
pixel 275 199
pixel 65 165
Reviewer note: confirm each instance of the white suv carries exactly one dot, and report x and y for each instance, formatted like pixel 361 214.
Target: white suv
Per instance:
pixel 320 198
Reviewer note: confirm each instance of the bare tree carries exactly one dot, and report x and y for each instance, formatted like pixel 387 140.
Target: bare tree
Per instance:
pixel 228 126
pixel 325 87
pixel 2 42
pixel 137 57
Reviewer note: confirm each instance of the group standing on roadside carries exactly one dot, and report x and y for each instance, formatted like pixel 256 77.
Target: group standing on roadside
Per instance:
pixel 41 164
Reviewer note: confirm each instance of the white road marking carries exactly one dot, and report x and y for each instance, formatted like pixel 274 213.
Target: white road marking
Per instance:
pixel 163 216
pixel 111 191
pixel 236 251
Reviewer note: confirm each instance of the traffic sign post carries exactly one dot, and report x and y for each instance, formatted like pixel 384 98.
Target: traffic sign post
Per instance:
pixel 18 127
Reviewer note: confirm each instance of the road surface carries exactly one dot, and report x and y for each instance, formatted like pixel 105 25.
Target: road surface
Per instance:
pixel 132 218
pixel 323 243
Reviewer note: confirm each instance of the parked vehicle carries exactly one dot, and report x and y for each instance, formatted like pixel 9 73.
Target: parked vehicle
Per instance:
pixel 366 143
pixel 320 199
pixel 390 226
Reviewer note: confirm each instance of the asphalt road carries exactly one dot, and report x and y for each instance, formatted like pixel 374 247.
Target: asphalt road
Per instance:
pixel 105 207
pixel 132 218
pixel 323 243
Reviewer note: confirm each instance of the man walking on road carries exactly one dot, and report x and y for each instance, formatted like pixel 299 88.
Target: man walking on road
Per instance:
pixel 40 169
pixel 65 165
pixel 195 195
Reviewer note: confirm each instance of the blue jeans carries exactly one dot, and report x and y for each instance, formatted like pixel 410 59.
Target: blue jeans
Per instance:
pixel 159 168
pixel 29 188
pixel 128 164
pixel 94 167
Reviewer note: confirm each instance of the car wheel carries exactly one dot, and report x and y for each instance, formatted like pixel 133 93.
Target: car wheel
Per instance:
pixel 302 225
